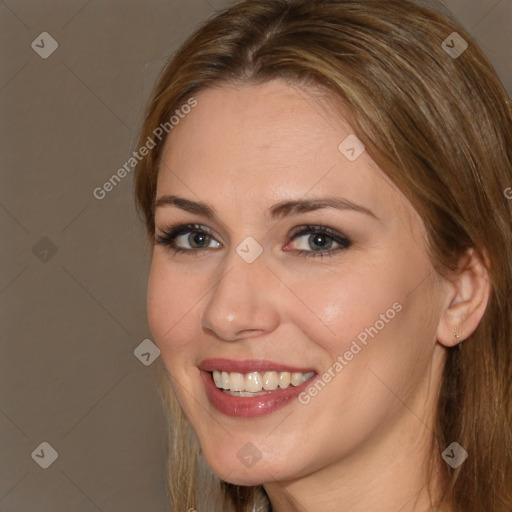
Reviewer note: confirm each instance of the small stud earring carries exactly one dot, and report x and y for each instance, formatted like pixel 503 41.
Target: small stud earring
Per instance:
pixel 456 335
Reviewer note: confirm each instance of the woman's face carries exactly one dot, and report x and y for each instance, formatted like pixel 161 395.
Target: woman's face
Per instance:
pixel 258 290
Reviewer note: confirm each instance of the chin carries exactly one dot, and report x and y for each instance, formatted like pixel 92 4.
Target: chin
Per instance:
pixel 245 480
pixel 234 473
pixel 249 472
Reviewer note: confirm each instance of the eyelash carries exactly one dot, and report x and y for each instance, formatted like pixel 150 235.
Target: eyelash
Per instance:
pixel 169 235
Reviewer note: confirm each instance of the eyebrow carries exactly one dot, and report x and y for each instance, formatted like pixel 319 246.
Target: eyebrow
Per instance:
pixel 278 211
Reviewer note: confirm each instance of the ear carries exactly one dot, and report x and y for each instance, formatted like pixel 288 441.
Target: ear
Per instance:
pixel 466 301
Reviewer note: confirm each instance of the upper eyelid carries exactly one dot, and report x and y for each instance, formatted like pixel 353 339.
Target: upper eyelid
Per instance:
pixel 188 228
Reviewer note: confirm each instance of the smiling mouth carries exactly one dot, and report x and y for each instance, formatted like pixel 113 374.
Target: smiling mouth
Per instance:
pixel 257 383
pixel 252 388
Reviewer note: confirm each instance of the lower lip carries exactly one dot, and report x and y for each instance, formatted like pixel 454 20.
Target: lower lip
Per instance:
pixel 251 406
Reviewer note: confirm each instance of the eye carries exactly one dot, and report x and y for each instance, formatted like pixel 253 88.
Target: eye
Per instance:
pixel 197 236
pixel 320 239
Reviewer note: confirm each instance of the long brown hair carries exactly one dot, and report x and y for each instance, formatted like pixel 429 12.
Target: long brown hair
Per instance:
pixel 440 126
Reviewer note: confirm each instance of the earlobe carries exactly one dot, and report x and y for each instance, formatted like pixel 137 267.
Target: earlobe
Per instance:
pixel 457 335
pixel 467 301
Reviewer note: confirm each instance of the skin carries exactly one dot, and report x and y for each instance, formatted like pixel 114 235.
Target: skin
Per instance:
pixel 364 441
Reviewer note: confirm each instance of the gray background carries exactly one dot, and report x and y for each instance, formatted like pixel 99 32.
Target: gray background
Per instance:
pixel 74 268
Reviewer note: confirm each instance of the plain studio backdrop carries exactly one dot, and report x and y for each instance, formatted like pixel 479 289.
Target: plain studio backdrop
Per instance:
pixel 77 388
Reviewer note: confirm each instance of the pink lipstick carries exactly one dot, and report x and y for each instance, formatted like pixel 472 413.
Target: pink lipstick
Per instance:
pixel 264 402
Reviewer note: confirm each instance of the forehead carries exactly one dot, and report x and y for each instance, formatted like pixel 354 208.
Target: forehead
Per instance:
pixel 263 122
pixel 263 143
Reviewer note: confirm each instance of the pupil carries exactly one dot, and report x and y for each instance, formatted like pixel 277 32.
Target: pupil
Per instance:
pixel 318 239
pixel 200 236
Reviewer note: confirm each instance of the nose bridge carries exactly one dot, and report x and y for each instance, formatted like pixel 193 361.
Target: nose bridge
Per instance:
pixel 239 298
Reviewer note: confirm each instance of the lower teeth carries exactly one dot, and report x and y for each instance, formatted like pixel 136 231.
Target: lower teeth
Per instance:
pixel 244 393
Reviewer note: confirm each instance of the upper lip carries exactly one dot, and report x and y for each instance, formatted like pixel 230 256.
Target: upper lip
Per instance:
pixel 248 365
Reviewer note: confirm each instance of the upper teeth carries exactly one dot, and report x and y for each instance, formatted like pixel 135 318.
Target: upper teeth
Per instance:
pixel 255 381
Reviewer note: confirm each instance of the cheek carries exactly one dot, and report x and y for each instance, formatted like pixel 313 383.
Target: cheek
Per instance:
pixel 340 307
pixel 171 306
pixel 380 343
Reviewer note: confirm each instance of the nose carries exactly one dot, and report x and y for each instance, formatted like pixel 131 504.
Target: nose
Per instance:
pixel 244 299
